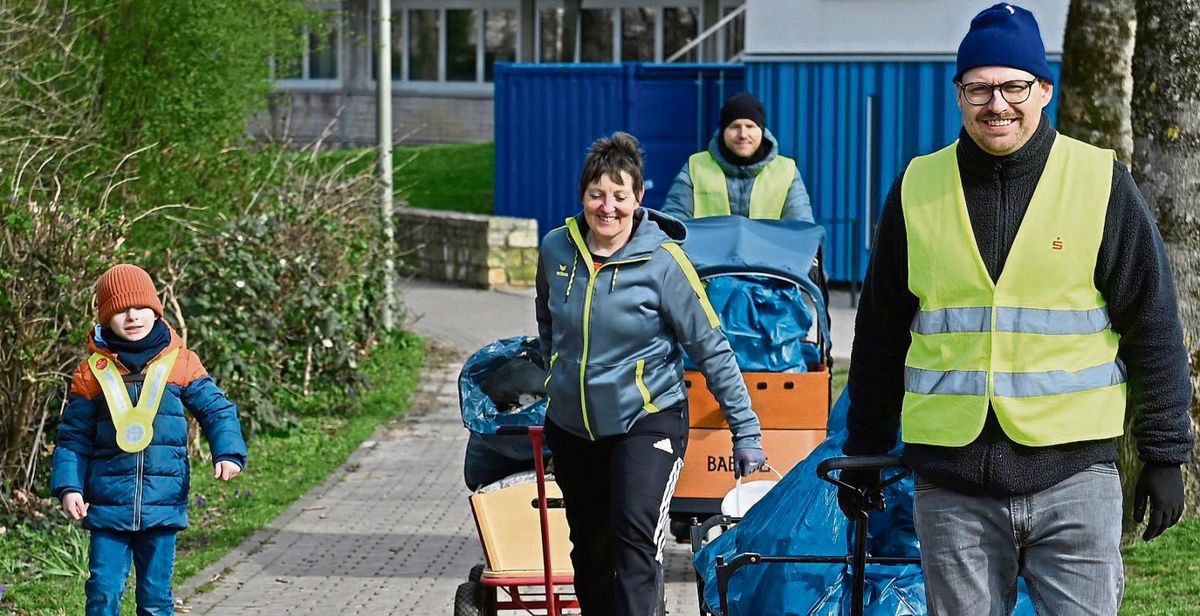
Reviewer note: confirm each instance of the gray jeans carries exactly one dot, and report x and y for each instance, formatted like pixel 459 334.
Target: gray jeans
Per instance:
pixel 1064 541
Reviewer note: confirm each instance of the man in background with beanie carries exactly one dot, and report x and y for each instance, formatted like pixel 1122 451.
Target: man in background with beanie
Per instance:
pixel 741 173
pixel 1017 305
pixel 122 443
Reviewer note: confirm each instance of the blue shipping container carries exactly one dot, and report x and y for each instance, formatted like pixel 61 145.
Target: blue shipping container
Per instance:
pixel 547 115
pixel 852 128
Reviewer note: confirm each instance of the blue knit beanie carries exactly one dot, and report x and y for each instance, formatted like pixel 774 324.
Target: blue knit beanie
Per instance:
pixel 1004 35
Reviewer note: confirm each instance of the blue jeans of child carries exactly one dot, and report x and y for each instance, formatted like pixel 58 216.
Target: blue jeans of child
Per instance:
pixel 152 553
pixel 1064 541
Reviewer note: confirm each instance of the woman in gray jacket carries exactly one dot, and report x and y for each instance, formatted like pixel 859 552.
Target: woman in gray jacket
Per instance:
pixel 617 299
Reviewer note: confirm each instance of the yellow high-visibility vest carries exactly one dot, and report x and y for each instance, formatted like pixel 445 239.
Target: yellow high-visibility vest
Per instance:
pixel 710 193
pixel 134 422
pixel 1038 344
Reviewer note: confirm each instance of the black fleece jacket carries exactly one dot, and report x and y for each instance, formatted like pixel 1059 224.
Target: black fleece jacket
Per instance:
pixel 1134 277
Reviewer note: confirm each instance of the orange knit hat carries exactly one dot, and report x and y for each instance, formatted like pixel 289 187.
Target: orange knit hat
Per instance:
pixel 123 287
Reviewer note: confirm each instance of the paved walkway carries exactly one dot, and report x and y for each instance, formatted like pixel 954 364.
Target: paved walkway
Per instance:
pixel 390 532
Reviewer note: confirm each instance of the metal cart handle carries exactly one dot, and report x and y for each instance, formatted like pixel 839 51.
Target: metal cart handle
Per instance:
pixel 857 559
pixel 535 439
pixel 862 463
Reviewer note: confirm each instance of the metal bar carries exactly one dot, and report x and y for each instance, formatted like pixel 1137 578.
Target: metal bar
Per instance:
pixel 441 61
pixel 759 559
pixel 383 92
pixel 858 568
pixel 658 33
pixel 699 531
pixel 707 33
pixel 480 43
pixel 535 436
pixel 723 585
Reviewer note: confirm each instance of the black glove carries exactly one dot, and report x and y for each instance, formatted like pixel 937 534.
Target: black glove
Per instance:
pixel 748 460
pixel 853 503
pixel 1162 485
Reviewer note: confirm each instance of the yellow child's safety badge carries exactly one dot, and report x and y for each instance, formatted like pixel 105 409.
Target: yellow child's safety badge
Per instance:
pixel 134 422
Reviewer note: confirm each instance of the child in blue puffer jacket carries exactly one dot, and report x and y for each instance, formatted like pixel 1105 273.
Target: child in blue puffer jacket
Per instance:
pixel 121 462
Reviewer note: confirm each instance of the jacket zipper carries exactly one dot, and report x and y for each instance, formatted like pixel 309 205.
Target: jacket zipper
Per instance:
pixel 581 246
pixel 137 493
pixel 997 264
pixel 1001 220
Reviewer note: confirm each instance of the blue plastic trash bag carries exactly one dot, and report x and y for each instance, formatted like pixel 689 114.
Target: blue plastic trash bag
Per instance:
pixel 760 280
pixel 765 320
pixel 491 456
pixel 800 516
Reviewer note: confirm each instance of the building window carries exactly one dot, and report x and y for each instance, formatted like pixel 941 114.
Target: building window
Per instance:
pixel 462 41
pixel 500 39
pixel 596 35
pixel 319 61
pixel 637 35
pixel 291 68
pixel 323 55
pixel 680 27
pixel 550 35
pixel 423 33
pixel 620 34
pixel 734 39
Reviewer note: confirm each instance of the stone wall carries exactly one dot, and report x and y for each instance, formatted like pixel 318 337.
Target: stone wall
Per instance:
pixel 481 251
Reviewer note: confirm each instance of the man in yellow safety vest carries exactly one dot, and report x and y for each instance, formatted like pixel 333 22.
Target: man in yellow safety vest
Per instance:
pixel 741 172
pixel 1017 302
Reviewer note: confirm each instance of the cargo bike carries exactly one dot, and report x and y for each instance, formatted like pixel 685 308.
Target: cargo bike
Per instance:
pixel 766 281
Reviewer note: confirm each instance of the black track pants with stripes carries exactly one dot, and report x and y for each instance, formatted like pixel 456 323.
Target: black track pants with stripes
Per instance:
pixel 617 491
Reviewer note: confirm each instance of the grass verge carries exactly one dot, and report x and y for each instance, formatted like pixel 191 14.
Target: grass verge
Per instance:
pixel 454 177
pixel 840 374
pixel 1163 576
pixel 43 562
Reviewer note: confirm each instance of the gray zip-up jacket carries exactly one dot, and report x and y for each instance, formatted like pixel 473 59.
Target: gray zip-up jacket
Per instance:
pixel 739 181
pixel 613 334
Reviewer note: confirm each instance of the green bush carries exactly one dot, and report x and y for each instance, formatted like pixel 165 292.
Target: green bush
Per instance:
pixel 282 294
pixel 181 79
pixel 120 123
pixel 59 226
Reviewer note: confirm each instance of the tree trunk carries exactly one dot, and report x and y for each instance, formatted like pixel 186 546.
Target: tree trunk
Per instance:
pixel 1094 97
pixel 1166 136
pixel 1096 82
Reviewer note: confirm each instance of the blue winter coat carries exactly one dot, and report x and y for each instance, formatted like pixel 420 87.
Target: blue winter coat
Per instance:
pixel 149 489
pixel 739 180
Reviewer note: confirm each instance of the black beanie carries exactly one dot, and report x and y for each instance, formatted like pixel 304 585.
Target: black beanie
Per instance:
pixel 743 106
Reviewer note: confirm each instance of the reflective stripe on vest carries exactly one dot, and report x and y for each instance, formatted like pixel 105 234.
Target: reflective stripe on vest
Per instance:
pixel 710 192
pixel 134 423
pixel 1037 345
pixel 1029 320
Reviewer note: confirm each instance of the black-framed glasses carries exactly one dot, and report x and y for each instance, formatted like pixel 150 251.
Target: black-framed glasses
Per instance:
pixel 1013 92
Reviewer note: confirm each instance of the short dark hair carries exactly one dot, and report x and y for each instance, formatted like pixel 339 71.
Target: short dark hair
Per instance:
pixel 610 156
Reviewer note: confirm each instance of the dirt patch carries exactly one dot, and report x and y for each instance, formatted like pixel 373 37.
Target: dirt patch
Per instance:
pixel 441 365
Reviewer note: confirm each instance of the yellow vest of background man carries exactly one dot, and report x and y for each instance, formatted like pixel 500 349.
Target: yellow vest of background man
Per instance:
pixel 1037 344
pixel 710 193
